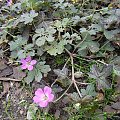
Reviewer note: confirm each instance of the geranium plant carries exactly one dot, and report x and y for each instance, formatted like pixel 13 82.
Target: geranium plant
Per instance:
pixel 84 35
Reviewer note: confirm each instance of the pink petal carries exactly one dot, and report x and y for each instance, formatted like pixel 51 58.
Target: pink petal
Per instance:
pixel 30 67
pixel 9 2
pixel 36 99
pixel 24 66
pixel 23 60
pixel 28 59
pixel 33 62
pixel 47 90
pixel 43 103
pixel 39 92
pixel 50 97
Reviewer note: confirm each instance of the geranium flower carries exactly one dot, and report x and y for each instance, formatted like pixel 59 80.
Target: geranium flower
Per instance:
pixel 43 97
pixel 28 63
pixel 9 2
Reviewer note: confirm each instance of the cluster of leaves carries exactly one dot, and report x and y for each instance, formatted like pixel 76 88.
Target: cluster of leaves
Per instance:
pixel 42 28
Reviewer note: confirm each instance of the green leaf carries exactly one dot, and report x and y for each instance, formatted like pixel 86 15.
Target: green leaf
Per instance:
pixel 116 60
pixel 91 31
pixel 42 67
pixel 82 30
pixel 86 36
pixel 13 46
pixel 58 25
pixel 28 17
pixel 28 46
pixel 40 51
pixel 49 38
pixel 116 69
pixel 96 27
pixel 14 54
pixel 90 90
pixel 62 74
pixel 21 54
pixel 102 83
pixel 75 19
pixel 50 30
pixel 87 44
pixel 93 46
pixel 61 25
pixel 101 75
pixel 110 34
pixel 65 22
pixel 30 53
pixel 74 96
pixel 42 35
pixel 30 77
pixel 75 36
pixel 40 41
pixel 83 52
pixel 31 111
pixel 108 47
pixel 38 76
pixel 45 68
pixel 17 43
pixel 56 48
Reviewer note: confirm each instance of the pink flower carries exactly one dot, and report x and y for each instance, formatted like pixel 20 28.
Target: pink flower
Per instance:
pixel 28 63
pixel 43 97
pixel 9 2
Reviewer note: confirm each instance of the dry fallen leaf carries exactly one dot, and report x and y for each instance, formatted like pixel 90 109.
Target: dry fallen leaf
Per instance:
pixel 6 86
pixel 117 86
pixel 18 74
pixel 87 99
pixel 57 114
pixel 2 64
pixel 100 96
pixel 5 70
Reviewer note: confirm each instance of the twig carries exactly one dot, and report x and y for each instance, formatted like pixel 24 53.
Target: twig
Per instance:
pixel 9 34
pixel 62 69
pixel 8 79
pixel 102 62
pixel 81 83
pixel 54 82
pixel 73 76
pixel 65 64
pixel 63 93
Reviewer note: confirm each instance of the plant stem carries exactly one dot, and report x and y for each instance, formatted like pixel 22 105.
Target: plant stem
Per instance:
pixel 73 76
pixel 63 93
pixel 8 79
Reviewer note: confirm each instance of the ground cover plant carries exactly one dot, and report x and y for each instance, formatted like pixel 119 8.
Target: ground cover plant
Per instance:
pixel 59 59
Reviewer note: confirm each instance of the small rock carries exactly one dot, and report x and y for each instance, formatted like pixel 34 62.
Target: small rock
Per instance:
pixel 21 112
pixel 78 74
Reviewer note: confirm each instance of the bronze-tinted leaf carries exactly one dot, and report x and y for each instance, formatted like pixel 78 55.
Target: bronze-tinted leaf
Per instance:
pixel 116 105
pixel 7 71
pixel 18 74
pixel 109 109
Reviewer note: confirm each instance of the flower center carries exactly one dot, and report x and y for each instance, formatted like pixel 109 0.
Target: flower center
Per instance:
pixel 28 63
pixel 45 97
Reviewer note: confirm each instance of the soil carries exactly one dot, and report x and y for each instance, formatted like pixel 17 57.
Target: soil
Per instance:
pixel 14 104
